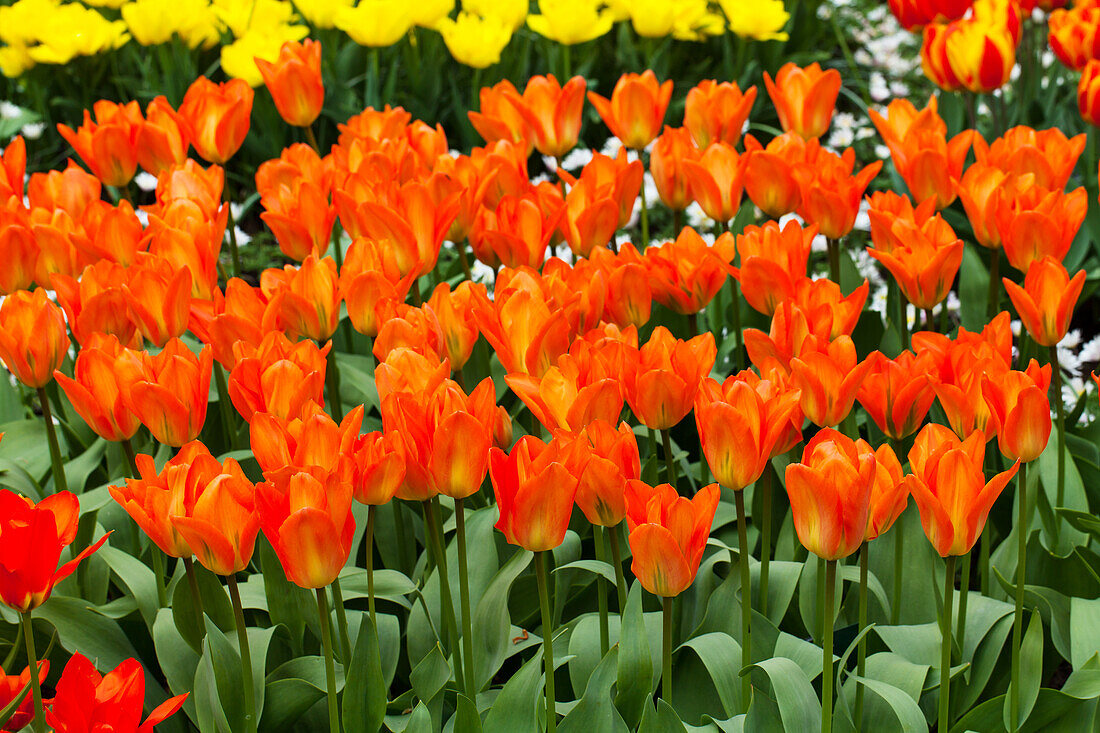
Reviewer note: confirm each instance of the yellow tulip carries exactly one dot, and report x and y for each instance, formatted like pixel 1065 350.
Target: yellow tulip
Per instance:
pixel 155 21
pixel 20 23
pixel 239 57
pixel 571 21
pixel 511 12
pixel 376 23
pixel 322 13
pixel 427 13
pixel 757 19
pixel 694 21
pixel 14 60
pixel 73 30
pixel 473 40
pixel 242 16
pixel 653 18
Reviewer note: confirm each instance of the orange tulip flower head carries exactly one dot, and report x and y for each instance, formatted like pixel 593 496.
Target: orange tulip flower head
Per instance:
pixel 668 534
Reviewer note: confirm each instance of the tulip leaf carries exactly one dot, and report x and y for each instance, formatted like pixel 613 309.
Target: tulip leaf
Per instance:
pixel 287 604
pixel 661 719
pixel 491 623
pixel 721 657
pixel 984 658
pixel 225 662
pixel 215 604
pixel 466 718
pixel 137 577
pixel 903 707
pixel 597 567
pixel 430 674
pixel 798 705
pixel 25 446
pixel 595 711
pixel 420 721
pixel 850 574
pixel 635 675
pixel 80 468
pixel 1056 536
pixel 287 700
pixel 1082 521
pixel 514 709
pixel 1031 669
pixel 365 691
pixel 178 661
pixel 973 290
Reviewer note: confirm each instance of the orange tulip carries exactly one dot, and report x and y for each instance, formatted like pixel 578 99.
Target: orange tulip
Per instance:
pixel 190 181
pixel 663 377
pixel 554 113
pixel 792 332
pixel 517 232
pixel 618 177
pixel 827 307
pixel 889 492
pixel 503 116
pixel 34 536
pixel 13 168
pixel 159 299
pixel 716 112
pixel 773 260
pixel 1020 411
pixel 216 117
pixel 671 152
pixel 18 250
pixel 303 301
pixel 277 376
pixel 804 98
pixel 379 467
pixel 686 274
pixel 371 284
pixel 629 297
pixel 636 109
pixel 455 311
pixel 306 516
pixel 371 124
pixel 831 193
pixel 1088 92
pixel 830 492
pixel 294 192
pixel 926 264
pixel 111 701
pixel 715 180
pixel 604 462
pixel 829 380
pixel 897 393
pixel 772 174
pixel 981 190
pixel 591 217
pixel 1047 299
pixel 950 489
pixel 534 492
pixel 740 428
pixel 189 238
pixel 1047 154
pixel 311 441
pixel 406 370
pixel 668 534
pixel 33 339
pixel 225 320
pixel 162 142
pixel 885 208
pixel 411 328
pixel 70 190
pixel 111 232
pixel 294 81
pixel 171 395
pixel 581 388
pixel 1036 222
pixel 109 144
pixel 104 371
pixel 98 303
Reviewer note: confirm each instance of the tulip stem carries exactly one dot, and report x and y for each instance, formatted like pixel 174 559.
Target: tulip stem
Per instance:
pixel 601 590
pixel 994 283
pixel 131 457
pixel 402 534
pixel 36 684
pixel 964 594
pixel 1060 416
pixel 666 674
pixel 464 594
pixel 225 406
pixel 246 654
pixel 929 320
pixel 369 542
pixel 945 651
pixel 746 597
pixel 158 572
pixel 653 452
pixel 435 532
pixel 833 246
pixel 644 217
pixel 861 648
pixel 542 559
pixel 60 483
pixel 231 225
pixel 738 346
pixel 330 665
pixel 670 463
pixel 464 259
pixel 765 486
pixel 617 561
pixel 342 620
pixel 827 649
pixel 312 139
pixel 332 376
pixel 899 567
pixel 1018 621
pixel 196 596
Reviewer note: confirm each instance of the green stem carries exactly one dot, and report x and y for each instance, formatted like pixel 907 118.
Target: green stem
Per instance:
pixel 666 651
pixel 821 591
pixel 1018 621
pixel 369 541
pixel 158 571
pixel 945 651
pixel 834 259
pixel 746 597
pixel 131 457
pixel 861 653
pixel 983 561
pixel 738 346
pixel 994 283
pixel 341 620
pixel 929 320
pixel 617 561
pixel 670 463
pixel 36 685
pixel 1060 415
pixel 231 225
pixel 827 649
pixel 464 594
pixel 765 534
pixel 542 559
pixel 225 405
pixel 332 376
pixel 964 594
pixel 60 483
pixel 312 139
pixel 677 221
pixel 899 566
pixel 601 590
pixel 330 665
pixel 435 532
pixel 644 219
pixel 246 655
pixel 196 596
pixel 653 451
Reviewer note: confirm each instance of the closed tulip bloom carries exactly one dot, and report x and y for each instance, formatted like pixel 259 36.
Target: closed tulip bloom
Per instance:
pixel 912 14
pixel 189 180
pixel 582 387
pixel 832 193
pixel 830 492
pixel 981 54
pixel 219 520
pixel 933 56
pixel 981 190
pixel 104 371
pixel 1046 301
pixel 1073 35
pixel 571 21
pixel 184 235
pixel 591 217
pixel 112 233
pixel 773 260
pixel 406 370
pixel 278 376
pixel 829 380
pixel 33 338
pixel 159 299
pixel 1020 411
pixel 668 534
pixel 950 489
pixel 604 461
pixel 555 112
pixel 804 98
pixel 306 516
pixel 716 112
pixel 34 536
pixel 759 21
pixel 897 393
pixel 294 81
pixel 1046 154
pixel 503 115
pixel 84 700
pixel 686 274
pixel 379 467
pixel 371 284
pixel 740 429
pixel 13 686
pixel 312 441
pixel 889 492
pixel 772 173
pixel 161 141
pixel 667 164
pixel 1035 222
pixel 375 23
pixel 109 144
pixel 18 249
pixel 455 311
pixel 534 492
pixel 664 377
pixel 619 176
pixel 216 117
pixel 97 303
pixel 636 109
pixel 926 265
pixel 170 397
pixel 715 180
pixel 475 40
pixel 13 168
pixel 301 218
pixel 1088 92
pixel 303 301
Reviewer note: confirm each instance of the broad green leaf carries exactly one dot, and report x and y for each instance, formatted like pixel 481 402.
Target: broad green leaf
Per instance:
pixel 596 567
pixel 1084 630
pixel 136 577
pixel 225 661
pixel 215 604
pixel 491 621
pixel 595 712
pixel 721 656
pixel 635 676
pixel 903 706
pixel 178 661
pixel 26 446
pixel 80 468
pixel 420 721
pixel 287 603
pixel 850 574
pixel 1031 669
pixel 661 719
pixel 466 718
pixel 798 705
pixel 365 693
pixel 515 708
pixel 430 674
pixel 1062 540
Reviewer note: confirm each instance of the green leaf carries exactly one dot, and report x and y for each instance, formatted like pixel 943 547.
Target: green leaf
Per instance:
pixel 798 705
pixel 466 719
pixel 850 574
pixel 225 661
pixel 597 567
pixel 721 656
pixel 138 579
pixel 595 712
pixel 1084 630
pixel 635 676
pixel 1083 521
pixel 80 468
pixel 178 661
pixel 1061 540
pixel 491 622
pixel 25 445
pixel 366 690
pixel 1031 669
pixel 903 706
pixel 287 603
pixel 515 709
pixel 430 674
pixel 973 290
pixel 215 604
pixel 662 719
pixel 420 721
